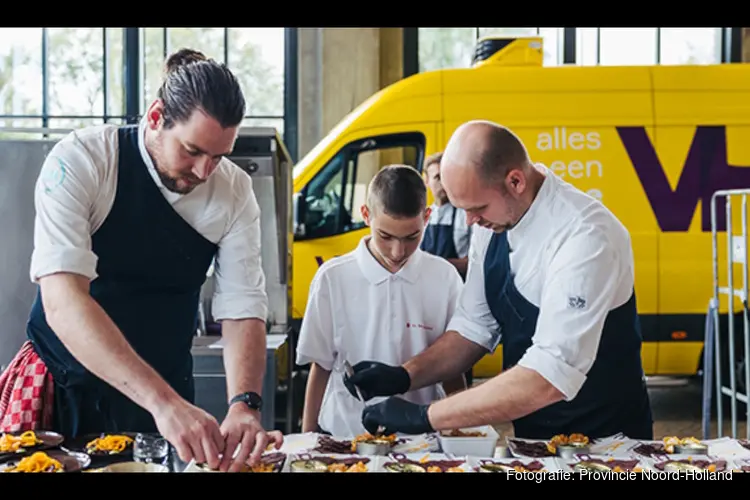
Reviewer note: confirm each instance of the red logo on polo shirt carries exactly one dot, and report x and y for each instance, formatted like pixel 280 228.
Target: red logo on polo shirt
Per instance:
pixel 418 325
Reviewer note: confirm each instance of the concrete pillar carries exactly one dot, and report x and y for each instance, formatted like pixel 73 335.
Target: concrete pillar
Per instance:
pixel 310 89
pixel 339 68
pixel 351 70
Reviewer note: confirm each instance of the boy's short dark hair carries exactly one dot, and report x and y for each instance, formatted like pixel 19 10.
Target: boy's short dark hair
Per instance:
pixel 399 191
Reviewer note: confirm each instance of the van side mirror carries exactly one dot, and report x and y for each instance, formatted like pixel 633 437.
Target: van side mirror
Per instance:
pixel 298 209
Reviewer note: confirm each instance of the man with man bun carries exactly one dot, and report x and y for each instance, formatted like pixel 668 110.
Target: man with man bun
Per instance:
pixel 128 221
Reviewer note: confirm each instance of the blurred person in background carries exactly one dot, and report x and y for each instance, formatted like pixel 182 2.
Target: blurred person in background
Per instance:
pixel 447 234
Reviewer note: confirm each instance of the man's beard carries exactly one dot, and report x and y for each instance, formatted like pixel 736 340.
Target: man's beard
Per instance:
pixel 169 182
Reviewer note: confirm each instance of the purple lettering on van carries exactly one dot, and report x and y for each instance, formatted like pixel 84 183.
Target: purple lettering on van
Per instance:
pixel 705 171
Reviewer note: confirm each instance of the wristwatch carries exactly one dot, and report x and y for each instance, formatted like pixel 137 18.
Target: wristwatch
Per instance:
pixel 251 399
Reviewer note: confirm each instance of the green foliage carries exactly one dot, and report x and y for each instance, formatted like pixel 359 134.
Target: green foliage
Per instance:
pixel 77 80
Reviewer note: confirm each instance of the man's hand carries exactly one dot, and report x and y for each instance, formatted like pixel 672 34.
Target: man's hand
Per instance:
pixel 193 432
pixel 242 428
pixel 397 415
pixel 377 379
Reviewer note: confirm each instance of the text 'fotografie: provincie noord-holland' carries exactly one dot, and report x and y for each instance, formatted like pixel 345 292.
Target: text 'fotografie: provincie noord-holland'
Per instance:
pixel 646 474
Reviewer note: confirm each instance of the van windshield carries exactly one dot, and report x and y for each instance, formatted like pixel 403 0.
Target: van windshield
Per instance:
pixel 332 137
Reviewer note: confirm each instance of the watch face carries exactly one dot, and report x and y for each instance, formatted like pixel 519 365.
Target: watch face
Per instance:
pixel 253 400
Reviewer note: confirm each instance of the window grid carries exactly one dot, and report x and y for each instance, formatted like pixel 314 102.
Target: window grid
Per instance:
pixel 108 114
pixel 594 46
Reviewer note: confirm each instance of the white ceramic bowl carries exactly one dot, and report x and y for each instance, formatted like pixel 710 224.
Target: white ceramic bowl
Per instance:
pixel 462 446
pixel 135 467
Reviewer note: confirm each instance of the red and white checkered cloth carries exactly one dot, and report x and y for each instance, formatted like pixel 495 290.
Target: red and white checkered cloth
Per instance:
pixel 26 393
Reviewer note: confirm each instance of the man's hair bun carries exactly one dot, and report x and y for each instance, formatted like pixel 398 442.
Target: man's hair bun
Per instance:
pixel 183 57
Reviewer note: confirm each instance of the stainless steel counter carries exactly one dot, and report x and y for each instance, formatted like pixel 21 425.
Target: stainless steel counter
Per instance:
pixel 211 383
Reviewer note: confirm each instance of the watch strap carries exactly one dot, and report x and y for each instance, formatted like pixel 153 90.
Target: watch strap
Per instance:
pixel 251 399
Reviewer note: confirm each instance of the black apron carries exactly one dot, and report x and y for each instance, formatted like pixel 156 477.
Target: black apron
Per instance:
pixel 614 398
pixel 438 239
pixel 151 266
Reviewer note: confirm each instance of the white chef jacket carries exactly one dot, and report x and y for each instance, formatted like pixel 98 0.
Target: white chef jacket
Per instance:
pixel 568 246
pixel 442 215
pixel 76 190
pixel 357 311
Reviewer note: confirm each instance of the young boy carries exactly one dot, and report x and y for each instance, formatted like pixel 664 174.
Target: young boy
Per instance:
pixel 387 300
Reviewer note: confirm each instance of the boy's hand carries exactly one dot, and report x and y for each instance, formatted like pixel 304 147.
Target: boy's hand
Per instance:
pixel 377 379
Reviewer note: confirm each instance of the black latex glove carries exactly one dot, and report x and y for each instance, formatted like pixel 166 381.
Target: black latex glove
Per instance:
pixel 377 379
pixel 396 415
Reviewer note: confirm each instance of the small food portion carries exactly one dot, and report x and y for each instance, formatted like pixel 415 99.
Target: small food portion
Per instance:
pixel 369 444
pixel 534 449
pixel 683 446
pixel 480 441
pixel 610 464
pixel 551 448
pixel 269 462
pixel 574 440
pixel 460 433
pixel 510 466
pixel 400 463
pixel 109 444
pixel 670 445
pixel 327 444
pixel 330 464
pixel 19 443
pixel 688 464
pixel 650 449
pixel 368 438
pixel 38 462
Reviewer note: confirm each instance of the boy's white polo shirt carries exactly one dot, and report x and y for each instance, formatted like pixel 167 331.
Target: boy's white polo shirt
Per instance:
pixel 358 311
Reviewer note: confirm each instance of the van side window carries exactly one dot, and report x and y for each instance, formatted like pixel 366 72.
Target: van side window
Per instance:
pixel 333 199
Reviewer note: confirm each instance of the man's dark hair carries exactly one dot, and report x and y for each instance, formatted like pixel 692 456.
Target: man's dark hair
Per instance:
pixel 398 191
pixel 193 82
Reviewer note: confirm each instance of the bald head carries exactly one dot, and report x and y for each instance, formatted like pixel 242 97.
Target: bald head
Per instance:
pixel 486 171
pixel 487 148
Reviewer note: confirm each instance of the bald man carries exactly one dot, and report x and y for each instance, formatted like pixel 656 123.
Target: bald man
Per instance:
pixel 551 275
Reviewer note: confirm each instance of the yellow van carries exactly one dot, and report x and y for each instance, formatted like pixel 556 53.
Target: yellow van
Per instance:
pixel 651 142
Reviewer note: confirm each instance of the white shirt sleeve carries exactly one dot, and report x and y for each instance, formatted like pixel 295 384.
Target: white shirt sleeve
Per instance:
pixel 64 196
pixel 473 319
pixel 240 282
pixel 316 339
pixel 580 288
pixel 455 284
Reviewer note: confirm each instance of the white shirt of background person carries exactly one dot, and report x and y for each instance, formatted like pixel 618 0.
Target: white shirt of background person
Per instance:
pixel 442 215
